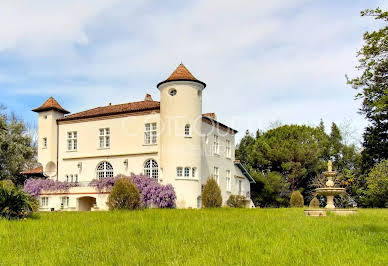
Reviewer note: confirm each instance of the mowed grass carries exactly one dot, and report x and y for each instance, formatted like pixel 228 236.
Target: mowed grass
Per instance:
pixel 196 237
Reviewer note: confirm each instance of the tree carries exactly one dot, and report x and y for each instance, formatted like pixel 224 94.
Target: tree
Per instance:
pixel 270 190
pixel 243 148
pixel 124 195
pixel 16 150
pixel 211 195
pixel 372 86
pixel 377 185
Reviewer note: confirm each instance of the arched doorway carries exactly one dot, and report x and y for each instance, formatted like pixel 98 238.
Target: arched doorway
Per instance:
pixel 86 203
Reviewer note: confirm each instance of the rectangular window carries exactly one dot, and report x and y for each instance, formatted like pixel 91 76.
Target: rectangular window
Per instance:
pixel 44 201
pixel 104 138
pixel 194 171
pixel 179 171
pixel 76 178
pixel 150 133
pixel 228 180
pixel 44 143
pixel 72 144
pixel 67 178
pixel 65 202
pixel 216 147
pixel 187 171
pixel 228 149
pixel 240 192
pixel 216 175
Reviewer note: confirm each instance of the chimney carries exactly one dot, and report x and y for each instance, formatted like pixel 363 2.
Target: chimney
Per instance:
pixel 211 115
pixel 148 97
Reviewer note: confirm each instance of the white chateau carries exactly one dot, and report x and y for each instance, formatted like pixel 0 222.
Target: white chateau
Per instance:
pixel 171 141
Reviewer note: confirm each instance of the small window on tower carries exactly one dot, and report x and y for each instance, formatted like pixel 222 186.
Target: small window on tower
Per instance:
pixel 44 143
pixel 172 92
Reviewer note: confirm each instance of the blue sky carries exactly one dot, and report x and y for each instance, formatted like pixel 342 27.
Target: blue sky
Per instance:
pixel 263 61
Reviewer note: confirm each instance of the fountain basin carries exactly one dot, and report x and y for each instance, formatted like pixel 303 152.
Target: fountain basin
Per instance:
pixel 330 191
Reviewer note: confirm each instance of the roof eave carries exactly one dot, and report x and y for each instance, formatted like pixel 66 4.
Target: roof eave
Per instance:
pixel 38 110
pixel 171 80
pixel 245 172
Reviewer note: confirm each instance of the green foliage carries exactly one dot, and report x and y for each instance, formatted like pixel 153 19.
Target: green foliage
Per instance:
pixel 124 195
pixel 237 201
pixel 372 86
pixel 15 203
pixel 289 157
pixel 270 190
pixel 314 203
pixel 211 195
pixel 377 185
pixel 16 151
pixel 296 200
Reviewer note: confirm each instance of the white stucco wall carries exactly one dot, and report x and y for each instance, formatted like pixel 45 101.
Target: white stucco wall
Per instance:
pixel 126 143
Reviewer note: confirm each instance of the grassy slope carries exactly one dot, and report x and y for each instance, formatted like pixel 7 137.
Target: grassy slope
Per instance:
pixel 197 237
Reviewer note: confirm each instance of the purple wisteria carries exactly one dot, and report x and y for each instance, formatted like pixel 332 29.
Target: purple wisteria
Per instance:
pixel 152 193
pixel 33 186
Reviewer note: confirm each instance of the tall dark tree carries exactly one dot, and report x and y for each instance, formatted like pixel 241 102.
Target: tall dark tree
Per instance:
pixel 372 86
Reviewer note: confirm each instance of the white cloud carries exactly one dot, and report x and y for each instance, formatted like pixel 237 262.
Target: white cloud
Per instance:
pixel 269 60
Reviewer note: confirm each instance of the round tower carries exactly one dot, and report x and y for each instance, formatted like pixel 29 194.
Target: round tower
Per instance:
pixel 180 135
pixel 49 112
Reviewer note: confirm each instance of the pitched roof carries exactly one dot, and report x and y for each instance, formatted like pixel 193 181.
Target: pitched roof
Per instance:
pixel 181 73
pixel 244 171
pixel 50 104
pixel 213 122
pixel 115 109
pixel 37 170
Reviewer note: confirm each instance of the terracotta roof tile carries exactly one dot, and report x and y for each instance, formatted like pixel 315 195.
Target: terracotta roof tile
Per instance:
pixel 115 109
pixel 51 104
pixel 37 170
pixel 181 73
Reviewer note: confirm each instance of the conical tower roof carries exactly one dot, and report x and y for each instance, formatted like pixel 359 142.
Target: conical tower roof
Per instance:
pixel 50 104
pixel 181 73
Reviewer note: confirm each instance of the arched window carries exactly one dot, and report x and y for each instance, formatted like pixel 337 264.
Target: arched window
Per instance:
pixel 187 130
pixel 151 169
pixel 104 169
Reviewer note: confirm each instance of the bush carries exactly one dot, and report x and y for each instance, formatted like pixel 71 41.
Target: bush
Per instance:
pixel 124 195
pixel 377 185
pixel 296 200
pixel 211 195
pixel 237 201
pixel 314 203
pixel 15 203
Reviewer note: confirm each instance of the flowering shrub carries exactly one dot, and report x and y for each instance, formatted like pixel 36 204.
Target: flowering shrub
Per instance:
pixel 152 193
pixel 33 186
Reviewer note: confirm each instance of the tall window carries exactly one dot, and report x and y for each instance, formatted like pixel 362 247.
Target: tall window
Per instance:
pixel 217 175
pixel 104 169
pixel 44 143
pixel 151 169
pixel 187 172
pixel 76 178
pixel 187 130
pixel 104 138
pixel 150 133
pixel 179 171
pixel 228 181
pixel 240 192
pixel 72 144
pixel 228 149
pixel 44 201
pixel 67 178
pixel 216 147
pixel 65 202
pixel 194 172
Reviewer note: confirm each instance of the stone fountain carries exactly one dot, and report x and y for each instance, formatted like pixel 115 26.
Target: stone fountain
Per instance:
pixel 329 192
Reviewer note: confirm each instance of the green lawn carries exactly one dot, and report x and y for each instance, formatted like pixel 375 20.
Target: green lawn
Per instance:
pixel 196 237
